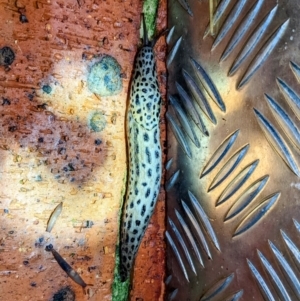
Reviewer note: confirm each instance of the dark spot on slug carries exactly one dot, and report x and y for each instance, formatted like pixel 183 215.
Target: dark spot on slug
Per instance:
pixel 146 137
pixel 147 193
pixel 135 231
pixel 143 210
pixel 137 222
pixel 148 154
pixel 155 137
pixel 137 75
pixel 137 100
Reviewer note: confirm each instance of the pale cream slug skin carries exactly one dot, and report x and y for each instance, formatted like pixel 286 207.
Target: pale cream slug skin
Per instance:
pixel 145 162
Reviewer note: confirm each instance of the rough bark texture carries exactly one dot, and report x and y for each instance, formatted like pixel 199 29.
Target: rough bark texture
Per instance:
pixel 52 152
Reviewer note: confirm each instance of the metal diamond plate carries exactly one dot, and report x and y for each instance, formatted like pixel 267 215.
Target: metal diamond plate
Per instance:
pixel 233 150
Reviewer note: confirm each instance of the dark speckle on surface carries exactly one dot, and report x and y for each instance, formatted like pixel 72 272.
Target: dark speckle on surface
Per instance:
pixel 23 19
pixel 69 167
pixel 5 101
pixel 98 141
pixel 12 128
pixel 92 268
pixel 39 242
pixel 47 89
pixel 49 248
pixel 31 95
pixel 7 56
pixel 64 294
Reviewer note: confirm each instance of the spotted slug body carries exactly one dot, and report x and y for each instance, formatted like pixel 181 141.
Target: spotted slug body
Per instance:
pixel 144 157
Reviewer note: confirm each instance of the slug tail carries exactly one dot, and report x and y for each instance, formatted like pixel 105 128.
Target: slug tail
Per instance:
pixel 124 275
pixel 145 33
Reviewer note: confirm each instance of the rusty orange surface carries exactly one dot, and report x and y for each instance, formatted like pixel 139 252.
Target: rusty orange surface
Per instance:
pixel 48 152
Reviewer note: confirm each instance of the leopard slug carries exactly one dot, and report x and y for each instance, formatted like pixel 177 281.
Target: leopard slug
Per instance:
pixel 144 155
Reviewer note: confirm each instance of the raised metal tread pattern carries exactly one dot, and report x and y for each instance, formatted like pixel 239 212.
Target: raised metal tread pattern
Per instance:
pixel 233 138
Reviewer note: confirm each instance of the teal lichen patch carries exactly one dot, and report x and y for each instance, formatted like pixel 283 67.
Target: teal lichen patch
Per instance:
pixel 47 89
pixel 97 121
pixel 104 77
pixel 150 13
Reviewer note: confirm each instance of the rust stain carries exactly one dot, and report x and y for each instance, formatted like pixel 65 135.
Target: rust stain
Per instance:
pixel 50 155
